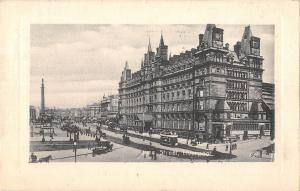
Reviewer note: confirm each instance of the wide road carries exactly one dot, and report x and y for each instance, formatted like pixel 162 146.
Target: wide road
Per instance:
pixel 133 152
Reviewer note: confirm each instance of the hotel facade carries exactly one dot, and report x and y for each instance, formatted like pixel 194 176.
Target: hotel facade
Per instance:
pixel 209 90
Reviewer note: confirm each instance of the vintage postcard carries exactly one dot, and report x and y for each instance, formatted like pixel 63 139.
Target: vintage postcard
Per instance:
pixel 151 95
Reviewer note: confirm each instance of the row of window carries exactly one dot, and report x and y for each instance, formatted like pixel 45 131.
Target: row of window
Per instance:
pixel 177 86
pixel 237 106
pixel 248 127
pixel 178 78
pixel 202 71
pixel 171 96
pixel 199 105
pixel 255 63
pixel 260 116
pixel 237 74
pixel 257 75
pixel 236 85
pixel 165 97
pixel 236 95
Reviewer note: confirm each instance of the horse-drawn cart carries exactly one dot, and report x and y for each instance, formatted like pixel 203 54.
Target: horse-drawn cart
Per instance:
pixel 103 147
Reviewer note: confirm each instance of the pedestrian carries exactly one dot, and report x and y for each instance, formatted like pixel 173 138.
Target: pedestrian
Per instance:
pixel 89 146
pixel 207 146
pixel 226 149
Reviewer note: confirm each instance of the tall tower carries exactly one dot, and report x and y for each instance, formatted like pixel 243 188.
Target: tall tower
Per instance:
pixel 162 50
pixel 42 97
pixel 149 56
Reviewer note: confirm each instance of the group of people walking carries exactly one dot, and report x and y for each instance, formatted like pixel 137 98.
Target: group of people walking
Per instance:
pixel 152 154
pixel 233 147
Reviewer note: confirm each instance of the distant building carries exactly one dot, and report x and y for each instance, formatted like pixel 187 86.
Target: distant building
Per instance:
pixel 94 110
pixel 32 113
pixel 208 90
pixel 109 107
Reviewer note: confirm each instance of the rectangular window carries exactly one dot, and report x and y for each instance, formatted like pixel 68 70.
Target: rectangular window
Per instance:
pixel 201 105
pixel 201 93
pixel 264 116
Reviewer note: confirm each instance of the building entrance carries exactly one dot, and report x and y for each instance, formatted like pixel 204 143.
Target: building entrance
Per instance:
pixel 218 131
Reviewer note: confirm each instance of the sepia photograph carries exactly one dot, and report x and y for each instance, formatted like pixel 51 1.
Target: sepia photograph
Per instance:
pixel 152 93
pixel 149 95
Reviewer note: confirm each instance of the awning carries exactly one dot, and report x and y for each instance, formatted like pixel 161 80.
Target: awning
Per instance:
pixel 145 117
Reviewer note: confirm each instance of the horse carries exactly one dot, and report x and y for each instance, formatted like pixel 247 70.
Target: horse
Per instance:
pixel 45 159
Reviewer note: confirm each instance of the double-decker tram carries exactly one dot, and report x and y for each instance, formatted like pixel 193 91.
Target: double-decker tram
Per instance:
pixel 168 139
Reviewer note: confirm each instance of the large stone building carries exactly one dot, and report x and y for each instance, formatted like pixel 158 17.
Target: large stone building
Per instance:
pixel 208 90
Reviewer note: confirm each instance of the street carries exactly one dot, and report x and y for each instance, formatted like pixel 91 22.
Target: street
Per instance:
pixel 61 149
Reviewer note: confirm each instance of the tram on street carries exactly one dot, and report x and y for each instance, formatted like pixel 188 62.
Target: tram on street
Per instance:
pixel 168 139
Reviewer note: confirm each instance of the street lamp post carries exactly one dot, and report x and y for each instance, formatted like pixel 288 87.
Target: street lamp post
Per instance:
pixel 31 125
pixel 75 149
pixel 43 139
pixel 230 147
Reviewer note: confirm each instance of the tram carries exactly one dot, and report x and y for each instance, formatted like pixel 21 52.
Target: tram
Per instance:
pixel 168 139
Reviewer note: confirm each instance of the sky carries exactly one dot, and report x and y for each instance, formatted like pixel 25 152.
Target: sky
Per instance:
pixel 81 63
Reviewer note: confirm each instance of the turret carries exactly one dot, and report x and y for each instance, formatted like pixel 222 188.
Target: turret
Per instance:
pixel 250 45
pixel 162 50
pixel 237 48
pixel 149 56
pixel 200 40
pixel 126 74
pixel 213 37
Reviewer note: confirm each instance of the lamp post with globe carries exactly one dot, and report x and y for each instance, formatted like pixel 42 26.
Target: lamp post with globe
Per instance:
pixel 75 149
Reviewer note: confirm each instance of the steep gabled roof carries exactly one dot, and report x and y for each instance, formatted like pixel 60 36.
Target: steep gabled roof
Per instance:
pixel 222 105
pixel 256 107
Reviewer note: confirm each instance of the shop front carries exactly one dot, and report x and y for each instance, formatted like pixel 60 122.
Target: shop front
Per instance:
pixel 145 121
